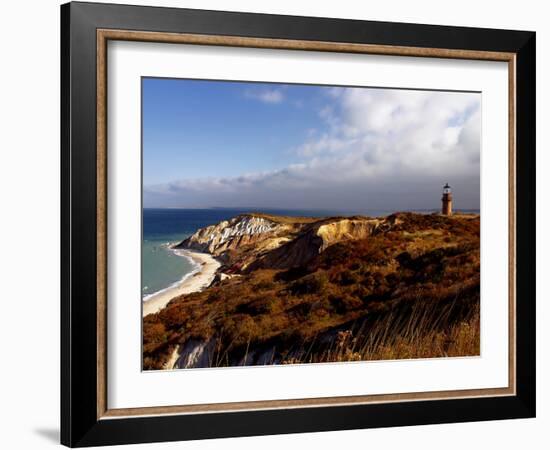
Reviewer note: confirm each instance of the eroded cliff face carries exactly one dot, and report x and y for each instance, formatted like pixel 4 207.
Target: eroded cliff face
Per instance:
pixel 347 229
pixel 316 238
pixel 249 242
pixel 230 234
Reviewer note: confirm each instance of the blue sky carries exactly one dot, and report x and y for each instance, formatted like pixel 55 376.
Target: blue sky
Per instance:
pixel 239 144
pixel 224 129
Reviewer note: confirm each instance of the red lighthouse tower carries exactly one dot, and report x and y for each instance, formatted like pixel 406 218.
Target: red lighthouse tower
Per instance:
pixel 447 201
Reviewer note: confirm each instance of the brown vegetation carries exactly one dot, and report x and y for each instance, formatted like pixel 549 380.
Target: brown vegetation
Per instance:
pixel 407 291
pixel 287 220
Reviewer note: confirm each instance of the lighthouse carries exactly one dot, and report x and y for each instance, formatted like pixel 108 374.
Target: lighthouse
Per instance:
pixel 447 201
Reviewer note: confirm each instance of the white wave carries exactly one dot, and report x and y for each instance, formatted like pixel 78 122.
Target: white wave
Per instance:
pixel 196 269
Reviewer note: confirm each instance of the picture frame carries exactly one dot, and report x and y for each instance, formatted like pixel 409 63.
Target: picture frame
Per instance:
pixel 86 418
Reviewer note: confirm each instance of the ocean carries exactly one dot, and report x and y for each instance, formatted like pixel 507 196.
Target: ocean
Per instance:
pixel 162 268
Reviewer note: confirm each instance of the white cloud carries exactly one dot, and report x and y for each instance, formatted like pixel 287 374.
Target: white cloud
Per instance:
pixel 392 148
pixel 266 95
pixel 398 132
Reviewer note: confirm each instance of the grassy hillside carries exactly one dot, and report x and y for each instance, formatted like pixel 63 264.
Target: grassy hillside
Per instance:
pixel 407 291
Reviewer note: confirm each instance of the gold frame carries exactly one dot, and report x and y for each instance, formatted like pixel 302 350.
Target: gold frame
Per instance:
pixel 103 36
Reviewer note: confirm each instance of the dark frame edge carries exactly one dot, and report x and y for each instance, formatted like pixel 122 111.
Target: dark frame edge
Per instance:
pixel 526 223
pixel 65 187
pixel 78 226
pixel 302 420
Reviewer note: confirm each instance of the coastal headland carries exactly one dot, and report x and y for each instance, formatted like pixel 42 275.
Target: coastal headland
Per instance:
pixel 288 290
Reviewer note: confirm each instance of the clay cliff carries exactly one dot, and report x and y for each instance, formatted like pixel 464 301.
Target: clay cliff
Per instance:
pixel 252 241
pixel 231 234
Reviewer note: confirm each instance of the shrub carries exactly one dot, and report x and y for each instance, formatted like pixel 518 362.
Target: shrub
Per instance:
pixel 239 330
pixel 404 259
pixel 262 304
pixel 347 277
pixel 292 274
pixel 265 285
pixel 345 303
pixel 154 333
pixel 336 254
pixel 310 284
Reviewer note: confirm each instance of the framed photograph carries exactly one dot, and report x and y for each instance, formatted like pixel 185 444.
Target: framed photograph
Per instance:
pixel 276 224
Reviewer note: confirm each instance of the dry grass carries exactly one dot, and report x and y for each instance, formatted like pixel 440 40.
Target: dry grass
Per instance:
pixel 284 219
pixel 420 334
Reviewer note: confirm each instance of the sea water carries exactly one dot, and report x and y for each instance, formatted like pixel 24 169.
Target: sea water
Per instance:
pixel 163 267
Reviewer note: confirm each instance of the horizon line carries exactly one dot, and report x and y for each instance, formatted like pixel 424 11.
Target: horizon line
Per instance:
pixel 306 209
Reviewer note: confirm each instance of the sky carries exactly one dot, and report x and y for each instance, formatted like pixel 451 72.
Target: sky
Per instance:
pixel 260 145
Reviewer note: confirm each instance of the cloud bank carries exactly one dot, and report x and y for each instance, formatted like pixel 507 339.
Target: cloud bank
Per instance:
pixel 377 149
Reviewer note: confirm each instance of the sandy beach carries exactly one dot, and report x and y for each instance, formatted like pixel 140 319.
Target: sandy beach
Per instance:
pixel 194 283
